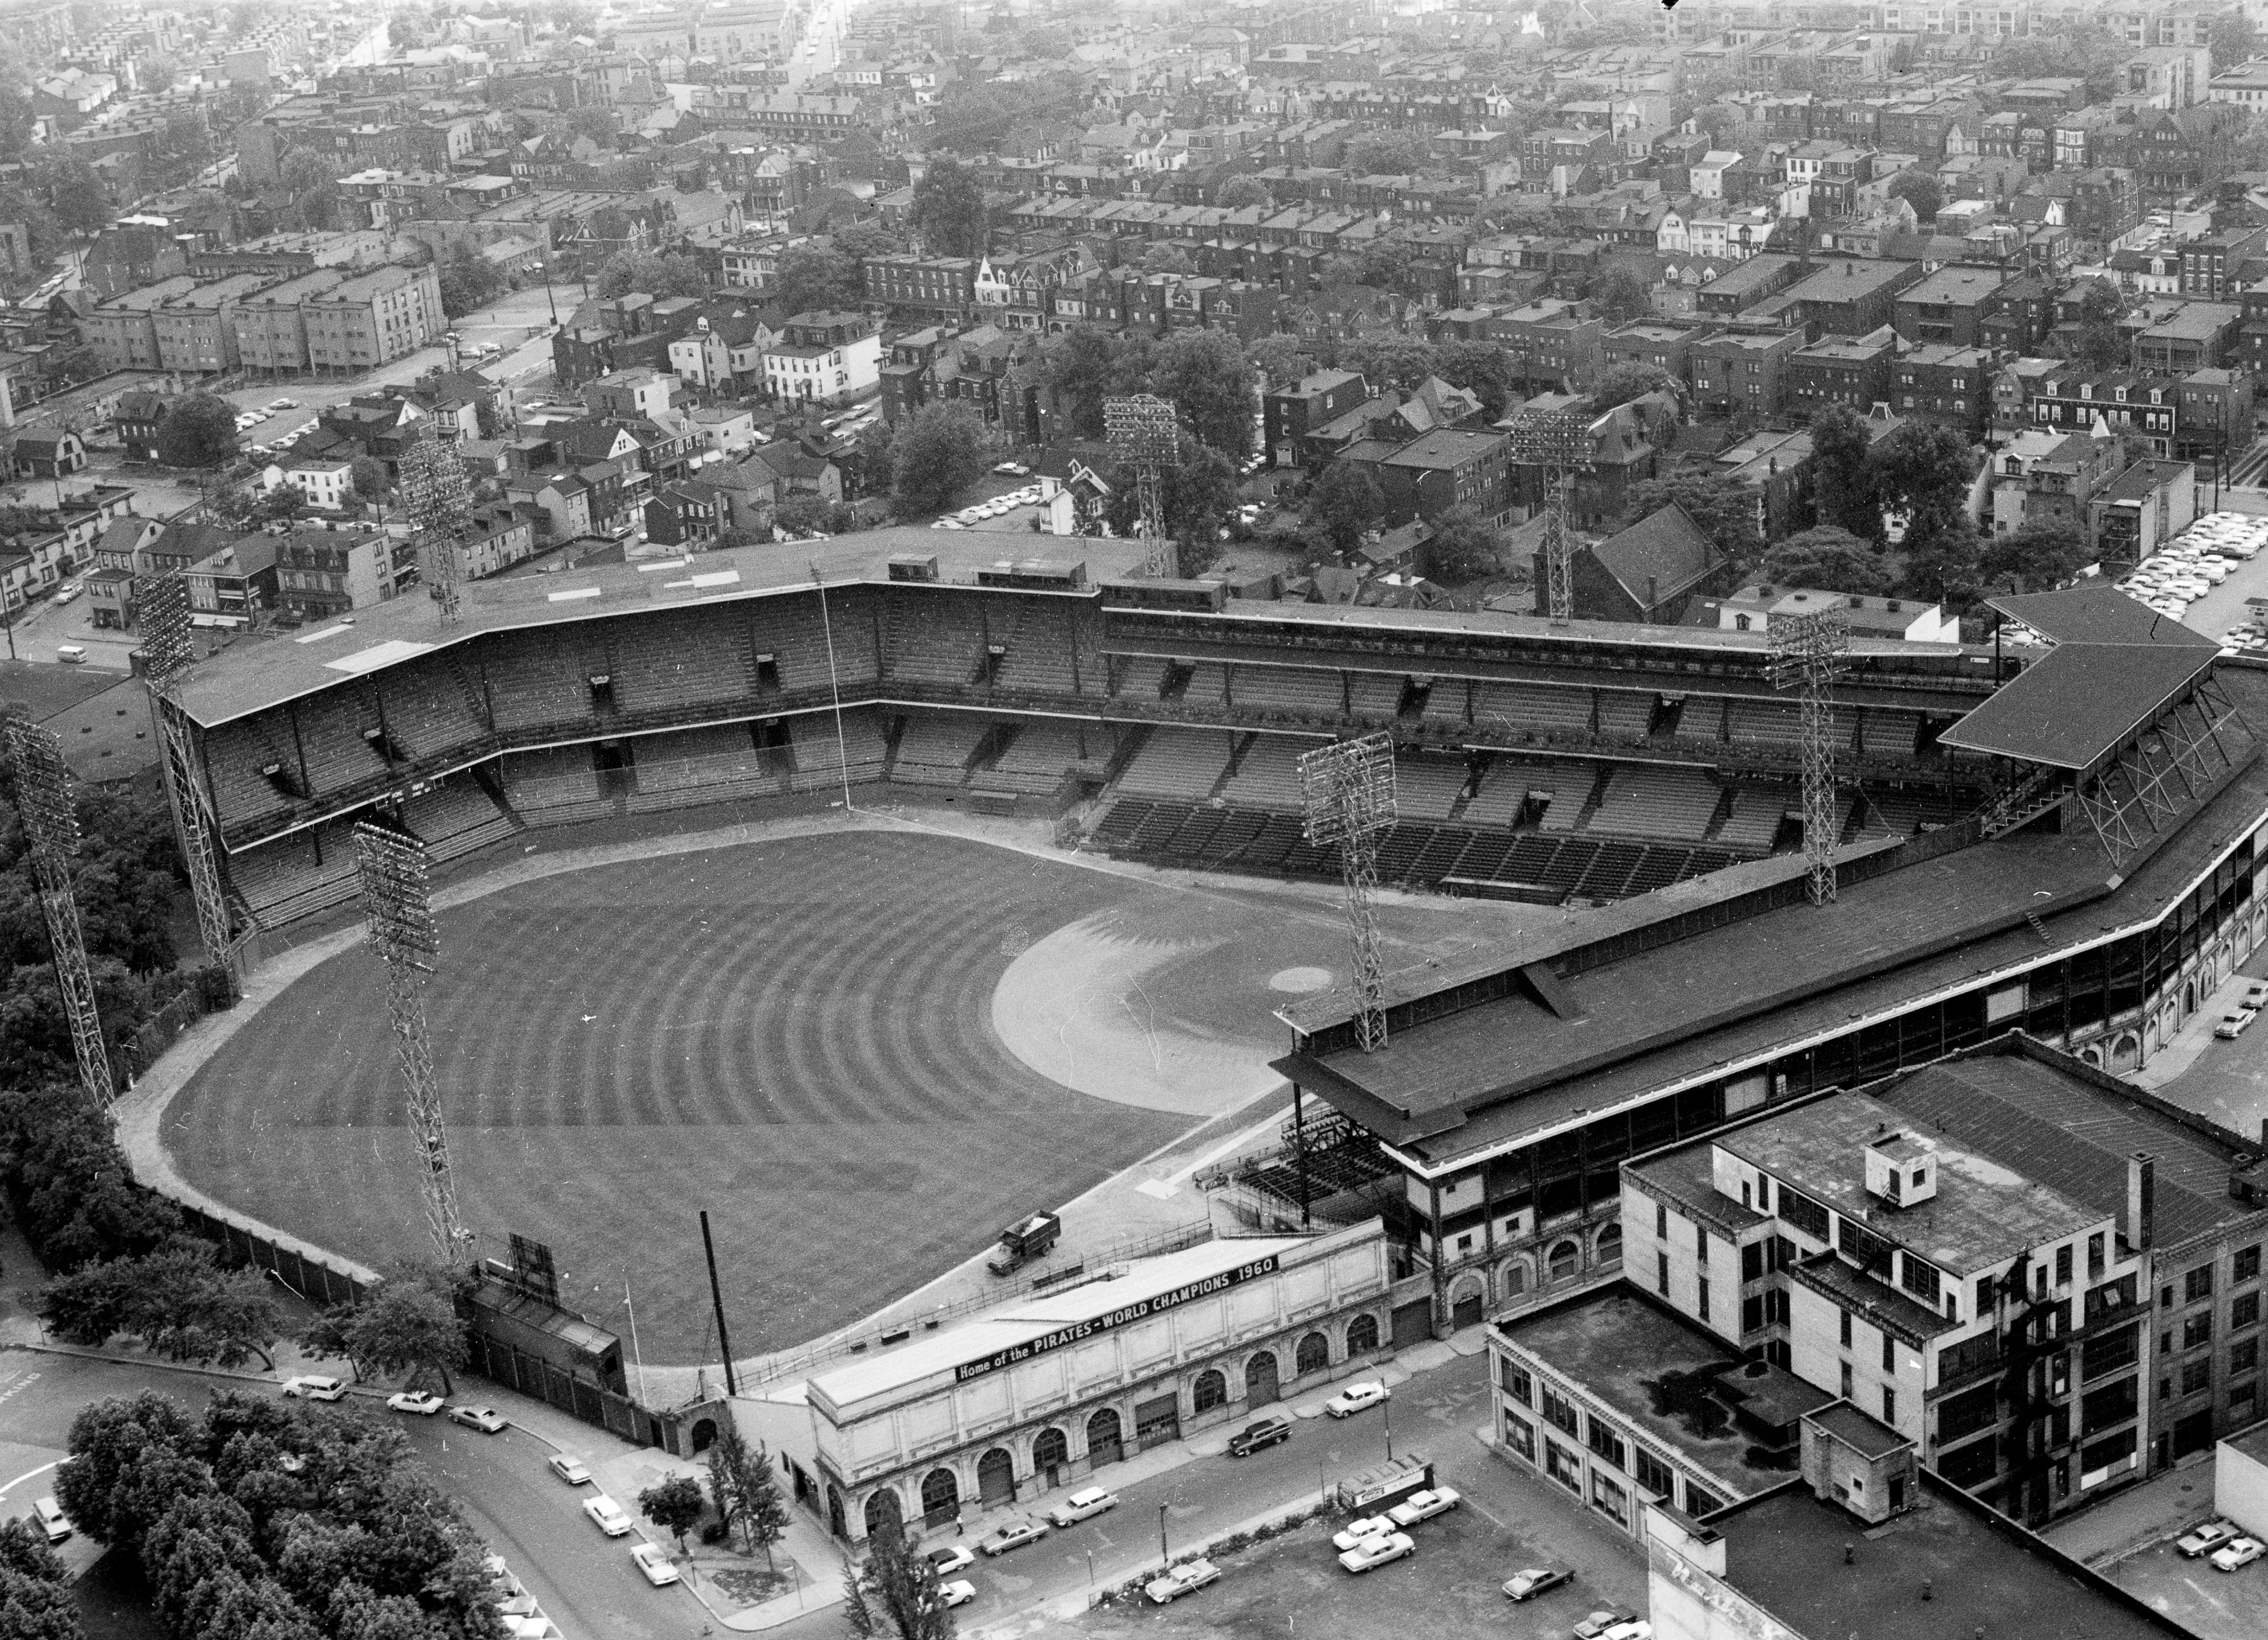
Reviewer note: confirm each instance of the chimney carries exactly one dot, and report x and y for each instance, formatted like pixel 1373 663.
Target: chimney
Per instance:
pixel 1652 593
pixel 2141 1200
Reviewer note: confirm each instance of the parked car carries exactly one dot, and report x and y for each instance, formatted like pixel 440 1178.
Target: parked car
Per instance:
pixel 1082 1506
pixel 1369 1527
pixel 487 1420
pixel 1180 1580
pixel 960 1591
pixel 2211 1536
pixel 950 1559
pixel 1356 1397
pixel 312 1387
pixel 1014 1535
pixel 607 1515
pixel 1373 1552
pixel 2240 1552
pixel 1600 1621
pixel 1424 1505
pixel 571 1470
pixel 1525 1585
pixel 54 1524
pixel 1269 1431
pixel 421 1402
pixel 653 1561
pixel 2232 1023
pixel 1637 1628
pixel 68 590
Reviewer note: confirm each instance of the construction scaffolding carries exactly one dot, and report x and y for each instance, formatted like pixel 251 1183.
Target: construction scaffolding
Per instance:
pixel 1554 441
pixel 43 801
pixel 397 906
pixel 161 609
pixel 1145 433
pixel 438 502
pixel 1806 654
pixel 1347 790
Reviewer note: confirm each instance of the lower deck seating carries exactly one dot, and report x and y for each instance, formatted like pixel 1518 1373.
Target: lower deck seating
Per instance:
pixel 1757 810
pixel 936 751
pixel 1376 697
pixel 1763 723
pixel 1427 788
pixel 1267 775
pixel 1184 763
pixel 1039 756
pixel 1139 677
pixel 555 787
pixel 704 766
pixel 1207 688
pixel 456 817
pixel 296 876
pixel 1624 715
pixel 1508 782
pixel 820 763
pixel 1651 802
pixel 1890 732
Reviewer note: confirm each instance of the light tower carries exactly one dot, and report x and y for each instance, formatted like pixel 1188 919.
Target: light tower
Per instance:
pixel 1806 652
pixel 43 798
pixel 1347 789
pixel 1553 440
pixel 162 609
pixel 439 505
pixel 1145 435
pixel 397 907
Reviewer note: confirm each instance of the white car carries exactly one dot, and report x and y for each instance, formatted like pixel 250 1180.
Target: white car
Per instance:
pixel 1377 1551
pixel 607 1515
pixel 1357 1398
pixel 1525 1585
pixel 2242 1552
pixel 571 1470
pixel 950 1559
pixel 1637 1628
pixel 314 1389
pixel 1423 1506
pixel 2211 1536
pixel 654 1562
pixel 960 1591
pixel 68 590
pixel 282 404
pixel 487 1420
pixel 421 1402
pixel 1083 1506
pixel 2232 1023
pixel 1180 1580
pixel 1360 1531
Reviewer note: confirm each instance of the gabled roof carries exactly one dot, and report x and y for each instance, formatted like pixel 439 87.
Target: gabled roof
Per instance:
pixel 1665 548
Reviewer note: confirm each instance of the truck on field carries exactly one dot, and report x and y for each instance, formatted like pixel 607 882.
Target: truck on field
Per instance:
pixel 1023 1241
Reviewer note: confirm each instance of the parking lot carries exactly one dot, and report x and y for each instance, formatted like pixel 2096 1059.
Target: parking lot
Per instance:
pixel 2213 1605
pixel 2204 577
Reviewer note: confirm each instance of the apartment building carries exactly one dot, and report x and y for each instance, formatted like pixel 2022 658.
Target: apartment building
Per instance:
pixel 322 572
pixel 1950 386
pixel 373 318
pixel 1734 373
pixel 196 330
pixel 123 331
pixel 829 357
pixel 1853 370
pixel 271 330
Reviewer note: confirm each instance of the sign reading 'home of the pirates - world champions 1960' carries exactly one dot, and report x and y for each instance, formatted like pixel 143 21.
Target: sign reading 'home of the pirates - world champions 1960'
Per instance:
pixel 1140 1311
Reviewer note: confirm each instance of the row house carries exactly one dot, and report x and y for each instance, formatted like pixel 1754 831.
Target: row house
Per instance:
pixel 1828 175
pixel 1943 386
pixel 935 288
pixel 1851 371
pixel 2212 266
pixel 2061 398
pixel 1013 291
pixel 1550 342
pixel 1948 307
pixel 2192 336
pixel 1664 347
pixel 1743 375
pixel 724 351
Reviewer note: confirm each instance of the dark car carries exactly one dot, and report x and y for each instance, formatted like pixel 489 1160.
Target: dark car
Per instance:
pixel 1253 1437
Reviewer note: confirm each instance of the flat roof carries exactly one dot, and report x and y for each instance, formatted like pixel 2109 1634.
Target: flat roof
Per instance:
pixel 1021 1321
pixel 1786 1551
pixel 1956 283
pixel 2079 702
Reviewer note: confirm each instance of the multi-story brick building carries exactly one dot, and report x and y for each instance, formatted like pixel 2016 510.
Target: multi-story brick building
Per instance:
pixel 1665 346
pixel 825 357
pixel 1948 306
pixel 196 330
pixel 1446 468
pixel 1849 296
pixel 1743 374
pixel 373 318
pixel 1290 413
pixel 123 331
pixel 325 572
pixel 271 330
pixel 1947 387
pixel 1853 370
pixel 934 288
pixel 1549 343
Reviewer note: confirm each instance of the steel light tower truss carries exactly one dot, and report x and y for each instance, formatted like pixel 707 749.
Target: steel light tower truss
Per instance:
pixel 1807 652
pixel 162 610
pixel 439 505
pixel 1555 441
pixel 43 798
pixel 1347 789
pixel 397 907
pixel 1145 435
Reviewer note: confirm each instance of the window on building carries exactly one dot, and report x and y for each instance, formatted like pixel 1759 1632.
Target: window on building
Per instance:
pixel 1517 1383
pixel 2063 1265
pixel 2244 1354
pixel 2198 1329
pixel 1607 1442
pixel 2095 1256
pixel 1661 1273
pixel 2197 1284
pixel 1844 1318
pixel 2248 1263
pixel 1559 1410
pixel 2245 1311
pixel 1563 1466
pixel 1702 1309
pixel 1845 1367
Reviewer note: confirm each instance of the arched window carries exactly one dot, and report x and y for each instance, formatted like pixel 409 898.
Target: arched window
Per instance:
pixel 1211 1391
pixel 1314 1354
pixel 1566 1259
pixel 1103 1440
pixel 940 1497
pixel 1260 1378
pixel 1362 1334
pixel 1609 1247
pixel 1050 1450
pixel 884 1512
pixel 996 1478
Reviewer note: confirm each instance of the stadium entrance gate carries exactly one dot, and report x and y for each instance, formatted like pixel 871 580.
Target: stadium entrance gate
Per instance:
pixel 1157 1421
pixel 996 1478
pixel 1413 1323
pixel 1259 1380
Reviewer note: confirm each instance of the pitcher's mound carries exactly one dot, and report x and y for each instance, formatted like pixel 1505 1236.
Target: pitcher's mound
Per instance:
pixel 1299 982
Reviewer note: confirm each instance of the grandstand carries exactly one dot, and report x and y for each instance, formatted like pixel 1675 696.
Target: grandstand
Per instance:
pixel 623 689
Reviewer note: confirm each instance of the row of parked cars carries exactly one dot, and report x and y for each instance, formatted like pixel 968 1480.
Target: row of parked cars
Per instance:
pixel 2220 1543
pixel 2196 562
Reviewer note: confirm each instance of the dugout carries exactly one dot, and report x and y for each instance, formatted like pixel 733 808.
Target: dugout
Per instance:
pixel 1041 1393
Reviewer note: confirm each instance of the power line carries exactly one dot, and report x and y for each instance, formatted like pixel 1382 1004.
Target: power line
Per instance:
pixel 1347 789
pixel 43 800
pixel 1807 653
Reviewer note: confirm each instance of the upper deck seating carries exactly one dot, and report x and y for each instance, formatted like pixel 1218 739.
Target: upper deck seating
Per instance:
pixel 1183 763
pixel 1643 802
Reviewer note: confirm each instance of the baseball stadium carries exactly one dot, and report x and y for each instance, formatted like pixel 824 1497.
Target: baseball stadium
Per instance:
pixel 875 903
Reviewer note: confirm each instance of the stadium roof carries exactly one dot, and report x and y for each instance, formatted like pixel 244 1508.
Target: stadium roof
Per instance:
pixel 2098 614
pixel 2079 704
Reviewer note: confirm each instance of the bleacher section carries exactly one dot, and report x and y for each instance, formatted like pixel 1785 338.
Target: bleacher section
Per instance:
pixel 455 817
pixel 1756 813
pixel 1624 715
pixel 1140 677
pixel 430 711
pixel 704 766
pixel 1376 697
pixel 685 658
pixel 1208 687
pixel 1039 651
pixel 1289 690
pixel 1184 763
pixel 936 642
pixel 1036 759
pixel 1763 723
pixel 819 763
pixel 1890 732
pixel 1427 788
pixel 535 680
pixel 936 751
pixel 234 756
pixel 1643 801
pixel 297 876
pixel 331 728
pixel 1508 782
pixel 1268 774
pixel 555 787
pixel 1531 710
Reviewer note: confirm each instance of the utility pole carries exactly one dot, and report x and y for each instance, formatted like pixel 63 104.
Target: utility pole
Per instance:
pixel 717 1299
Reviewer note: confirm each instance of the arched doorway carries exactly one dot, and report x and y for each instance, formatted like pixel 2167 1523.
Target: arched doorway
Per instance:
pixel 705 1434
pixel 1362 1334
pixel 1466 1303
pixel 996 1478
pixel 884 1513
pixel 1049 1454
pixel 940 1497
pixel 1313 1355
pixel 2126 1052
pixel 1210 1391
pixel 1566 1258
pixel 1260 1378
pixel 1103 1442
pixel 836 1522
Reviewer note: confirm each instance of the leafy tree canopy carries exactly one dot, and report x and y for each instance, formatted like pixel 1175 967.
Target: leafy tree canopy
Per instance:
pixel 939 455
pixel 199 430
pixel 1827 559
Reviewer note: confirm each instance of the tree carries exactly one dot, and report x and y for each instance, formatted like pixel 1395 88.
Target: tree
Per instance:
pixel 1621 294
pixel 371 483
pixel 939 455
pixel 2098 346
pixel 1387 153
pixel 1724 508
pixel 408 1324
pixel 1279 358
pixel 468 281
pixel 1345 502
pixel 77 196
pixel 1087 365
pixel 948 210
pixel 654 276
pixel 813 515
pixel 1827 559
pixel 598 123
pixel 2231 40
pixel 1943 563
pixel 199 430
pixel 1624 382
pixel 744 1493
pixel 1204 373
pixel 1389 361
pixel 675 1505
pixel 1241 193
pixel 35 1590
pixel 1919 189
pixel 112 1442
pixel 176 1299
pixel 1843 472
pixel 1164 257
pixel 1461 547
pixel 2039 557
pixel 902 1586
pixel 856 1611
pixel 1481 368
pixel 312 182
pixel 816 276
pixel 1924 471
pixel 877 451
pixel 1198 493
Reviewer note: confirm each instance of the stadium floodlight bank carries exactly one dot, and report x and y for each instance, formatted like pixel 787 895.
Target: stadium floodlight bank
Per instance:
pixel 168 649
pixel 1347 790
pixel 1808 654
pixel 43 798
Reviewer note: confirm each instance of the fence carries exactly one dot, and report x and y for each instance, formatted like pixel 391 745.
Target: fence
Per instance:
pixel 515 1369
pixel 297 1270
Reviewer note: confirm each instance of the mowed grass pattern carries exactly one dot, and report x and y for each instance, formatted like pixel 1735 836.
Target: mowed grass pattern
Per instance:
pixel 795 1035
